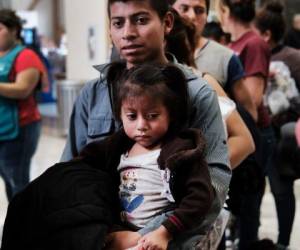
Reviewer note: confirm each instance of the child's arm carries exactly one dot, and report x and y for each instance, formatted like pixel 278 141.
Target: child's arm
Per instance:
pixel 192 186
pixel 121 240
pixel 156 240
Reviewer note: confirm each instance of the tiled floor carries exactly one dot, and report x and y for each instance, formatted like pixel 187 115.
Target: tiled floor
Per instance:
pixel 49 151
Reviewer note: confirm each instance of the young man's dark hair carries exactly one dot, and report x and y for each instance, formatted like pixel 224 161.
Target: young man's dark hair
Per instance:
pixel 9 19
pixel 160 6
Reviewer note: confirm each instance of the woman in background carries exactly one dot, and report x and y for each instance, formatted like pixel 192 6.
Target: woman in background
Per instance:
pixel 236 18
pixel 270 24
pixel 20 72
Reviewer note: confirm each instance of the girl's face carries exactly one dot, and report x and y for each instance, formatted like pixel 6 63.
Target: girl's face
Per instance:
pixel 7 38
pixel 145 120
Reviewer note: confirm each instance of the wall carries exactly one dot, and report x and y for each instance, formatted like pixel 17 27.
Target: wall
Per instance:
pixel 80 18
pixel 44 10
pixel 5 4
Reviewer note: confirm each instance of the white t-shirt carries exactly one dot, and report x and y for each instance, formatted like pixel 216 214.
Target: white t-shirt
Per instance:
pixel 144 189
pixel 227 106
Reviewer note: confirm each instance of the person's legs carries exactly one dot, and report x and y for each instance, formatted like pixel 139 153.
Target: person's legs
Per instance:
pixel 283 192
pixel 15 158
pixel 248 222
pixel 154 224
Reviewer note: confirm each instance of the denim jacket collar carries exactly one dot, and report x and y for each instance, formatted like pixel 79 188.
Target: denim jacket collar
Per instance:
pixel 103 68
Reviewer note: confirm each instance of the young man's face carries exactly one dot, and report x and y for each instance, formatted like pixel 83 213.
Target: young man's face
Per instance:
pixel 193 10
pixel 137 32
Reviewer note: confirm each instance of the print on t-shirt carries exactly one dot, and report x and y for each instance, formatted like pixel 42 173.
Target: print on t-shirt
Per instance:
pixel 129 203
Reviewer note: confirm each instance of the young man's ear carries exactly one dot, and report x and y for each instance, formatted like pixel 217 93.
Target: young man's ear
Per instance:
pixel 168 22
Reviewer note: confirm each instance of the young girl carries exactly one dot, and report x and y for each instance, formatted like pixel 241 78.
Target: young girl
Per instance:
pixel 165 187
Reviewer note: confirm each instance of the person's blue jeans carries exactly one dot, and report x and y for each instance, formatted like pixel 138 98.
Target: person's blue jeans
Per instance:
pixel 15 158
pixel 184 241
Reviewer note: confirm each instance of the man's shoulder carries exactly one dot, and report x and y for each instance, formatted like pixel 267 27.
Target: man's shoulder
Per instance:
pixel 96 84
pixel 218 49
pixel 190 74
pixel 254 41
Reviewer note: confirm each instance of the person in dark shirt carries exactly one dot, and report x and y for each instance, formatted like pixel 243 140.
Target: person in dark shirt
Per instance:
pixel 292 38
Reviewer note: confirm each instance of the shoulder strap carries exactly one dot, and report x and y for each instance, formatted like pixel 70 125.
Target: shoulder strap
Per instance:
pixel 7 62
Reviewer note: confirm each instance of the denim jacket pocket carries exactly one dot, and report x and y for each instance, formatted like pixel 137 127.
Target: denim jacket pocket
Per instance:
pixel 100 126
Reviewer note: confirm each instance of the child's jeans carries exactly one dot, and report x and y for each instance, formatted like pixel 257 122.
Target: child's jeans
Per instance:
pixel 188 240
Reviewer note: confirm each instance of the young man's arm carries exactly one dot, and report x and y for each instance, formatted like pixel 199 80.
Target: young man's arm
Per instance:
pixel 206 115
pixel 77 134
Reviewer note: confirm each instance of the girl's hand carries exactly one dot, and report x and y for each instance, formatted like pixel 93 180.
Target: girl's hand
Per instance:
pixel 156 240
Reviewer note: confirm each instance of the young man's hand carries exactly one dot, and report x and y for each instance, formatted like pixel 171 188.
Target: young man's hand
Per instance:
pixel 156 240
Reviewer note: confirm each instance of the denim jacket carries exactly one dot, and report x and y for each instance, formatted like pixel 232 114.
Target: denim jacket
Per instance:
pixel 92 119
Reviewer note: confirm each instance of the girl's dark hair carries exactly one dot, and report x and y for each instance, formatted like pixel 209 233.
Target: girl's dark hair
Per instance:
pixel 9 19
pixel 160 6
pixel 242 10
pixel 213 30
pixel 271 17
pixel 165 83
pixel 181 41
pixel 207 2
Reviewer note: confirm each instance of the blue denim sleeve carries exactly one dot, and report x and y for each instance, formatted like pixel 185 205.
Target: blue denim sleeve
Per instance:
pixel 206 115
pixel 78 127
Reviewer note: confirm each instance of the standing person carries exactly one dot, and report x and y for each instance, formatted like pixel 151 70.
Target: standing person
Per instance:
pixel 20 72
pixel 181 43
pixel 214 58
pixel 254 53
pixel 165 188
pixel 138 30
pixel 240 140
pixel 292 38
pixel 270 24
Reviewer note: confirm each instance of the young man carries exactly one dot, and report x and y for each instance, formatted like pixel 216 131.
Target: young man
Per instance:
pixel 138 30
pixel 214 58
